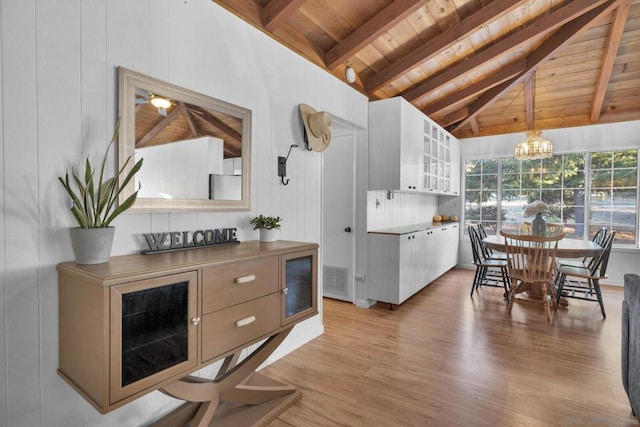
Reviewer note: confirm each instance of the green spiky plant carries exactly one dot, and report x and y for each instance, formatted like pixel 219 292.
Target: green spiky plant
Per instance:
pixel 95 204
pixel 266 222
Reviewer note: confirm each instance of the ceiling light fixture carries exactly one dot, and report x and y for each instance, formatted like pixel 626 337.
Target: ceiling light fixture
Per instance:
pixel 160 102
pixel 535 147
pixel 350 74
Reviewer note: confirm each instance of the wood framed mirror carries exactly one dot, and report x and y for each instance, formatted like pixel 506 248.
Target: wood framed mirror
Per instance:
pixel 196 149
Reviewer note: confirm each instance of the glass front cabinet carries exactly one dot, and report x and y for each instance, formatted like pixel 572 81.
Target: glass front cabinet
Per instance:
pixel 299 286
pixel 157 320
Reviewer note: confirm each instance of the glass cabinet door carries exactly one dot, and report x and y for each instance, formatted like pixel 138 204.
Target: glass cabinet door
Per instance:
pixel 153 331
pixel 299 287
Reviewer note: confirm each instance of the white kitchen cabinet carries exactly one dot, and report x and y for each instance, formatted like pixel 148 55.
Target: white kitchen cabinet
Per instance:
pixel 441 160
pixel 409 152
pixel 403 260
pixel 455 167
pixel 395 145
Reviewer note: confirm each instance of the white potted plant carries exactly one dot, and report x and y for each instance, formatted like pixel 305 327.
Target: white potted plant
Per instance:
pixel 94 206
pixel 267 226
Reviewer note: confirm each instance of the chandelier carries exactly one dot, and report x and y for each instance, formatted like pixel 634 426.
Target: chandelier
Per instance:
pixel 535 147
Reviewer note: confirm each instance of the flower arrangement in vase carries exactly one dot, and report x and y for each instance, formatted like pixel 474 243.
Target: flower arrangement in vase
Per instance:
pixel 538 225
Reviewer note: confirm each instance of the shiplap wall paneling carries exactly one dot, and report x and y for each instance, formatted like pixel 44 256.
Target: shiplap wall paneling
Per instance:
pixel 3 325
pixel 58 71
pixel 401 209
pixel 59 113
pixel 20 169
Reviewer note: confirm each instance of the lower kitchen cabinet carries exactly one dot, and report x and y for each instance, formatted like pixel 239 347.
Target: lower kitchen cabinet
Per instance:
pixel 401 262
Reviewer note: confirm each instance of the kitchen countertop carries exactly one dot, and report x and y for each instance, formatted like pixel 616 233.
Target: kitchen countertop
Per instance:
pixel 412 228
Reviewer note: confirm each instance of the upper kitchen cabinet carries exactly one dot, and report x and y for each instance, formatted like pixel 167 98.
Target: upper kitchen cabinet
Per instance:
pixel 395 146
pixel 409 152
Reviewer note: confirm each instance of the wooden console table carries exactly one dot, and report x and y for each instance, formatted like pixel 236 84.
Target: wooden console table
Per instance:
pixel 146 322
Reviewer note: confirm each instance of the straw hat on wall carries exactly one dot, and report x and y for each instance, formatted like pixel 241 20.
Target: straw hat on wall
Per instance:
pixel 317 126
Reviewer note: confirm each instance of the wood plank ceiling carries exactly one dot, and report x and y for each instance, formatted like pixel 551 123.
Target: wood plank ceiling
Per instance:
pixel 477 67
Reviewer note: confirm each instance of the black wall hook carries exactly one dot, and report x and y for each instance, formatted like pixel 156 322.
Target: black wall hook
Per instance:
pixel 282 165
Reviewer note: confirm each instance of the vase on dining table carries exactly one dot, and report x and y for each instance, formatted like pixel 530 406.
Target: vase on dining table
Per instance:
pixel 538 225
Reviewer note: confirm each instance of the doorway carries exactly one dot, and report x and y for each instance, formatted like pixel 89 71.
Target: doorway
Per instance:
pixel 338 213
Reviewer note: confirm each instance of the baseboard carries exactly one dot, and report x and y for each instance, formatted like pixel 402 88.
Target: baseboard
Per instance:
pixel 365 303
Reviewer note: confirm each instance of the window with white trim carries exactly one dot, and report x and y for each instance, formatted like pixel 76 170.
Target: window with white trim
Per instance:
pixel 584 191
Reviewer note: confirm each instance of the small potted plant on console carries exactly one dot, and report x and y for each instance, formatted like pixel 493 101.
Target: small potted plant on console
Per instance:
pixel 267 226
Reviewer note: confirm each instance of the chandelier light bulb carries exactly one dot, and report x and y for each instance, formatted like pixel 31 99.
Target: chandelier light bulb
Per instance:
pixel 534 147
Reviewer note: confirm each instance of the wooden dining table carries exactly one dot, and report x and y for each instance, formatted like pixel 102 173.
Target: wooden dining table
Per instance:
pixel 567 248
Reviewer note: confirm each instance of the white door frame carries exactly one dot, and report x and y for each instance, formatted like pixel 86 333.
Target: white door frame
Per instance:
pixel 342 127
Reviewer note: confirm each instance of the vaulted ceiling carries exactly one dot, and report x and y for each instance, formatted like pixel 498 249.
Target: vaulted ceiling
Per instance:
pixel 477 67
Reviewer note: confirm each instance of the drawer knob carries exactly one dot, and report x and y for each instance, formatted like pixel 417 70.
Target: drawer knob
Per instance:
pixel 246 279
pixel 246 321
pixel 195 321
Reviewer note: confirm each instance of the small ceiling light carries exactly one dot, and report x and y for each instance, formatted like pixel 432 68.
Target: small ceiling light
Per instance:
pixel 350 74
pixel 535 147
pixel 160 102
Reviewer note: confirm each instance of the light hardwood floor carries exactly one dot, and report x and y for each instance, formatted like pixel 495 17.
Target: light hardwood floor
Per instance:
pixel 444 359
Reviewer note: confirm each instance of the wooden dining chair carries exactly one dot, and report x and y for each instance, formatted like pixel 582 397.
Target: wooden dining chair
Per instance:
pixel 489 272
pixel 489 253
pixel 586 261
pixel 531 265
pixel 583 282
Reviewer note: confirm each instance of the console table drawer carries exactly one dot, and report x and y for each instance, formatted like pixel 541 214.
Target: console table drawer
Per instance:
pixel 231 284
pixel 227 329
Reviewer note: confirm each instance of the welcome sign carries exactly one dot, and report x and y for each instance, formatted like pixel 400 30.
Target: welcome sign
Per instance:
pixel 179 240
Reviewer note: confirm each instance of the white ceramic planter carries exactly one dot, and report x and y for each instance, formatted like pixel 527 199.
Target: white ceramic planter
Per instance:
pixel 91 245
pixel 268 235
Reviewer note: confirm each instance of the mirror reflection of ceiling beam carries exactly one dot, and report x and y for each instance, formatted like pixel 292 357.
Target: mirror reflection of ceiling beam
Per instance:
pixel 146 139
pixel 193 126
pixel 198 122
pixel 229 134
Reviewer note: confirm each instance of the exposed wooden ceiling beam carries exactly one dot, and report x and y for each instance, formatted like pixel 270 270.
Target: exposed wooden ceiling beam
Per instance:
pixel 247 10
pixel 387 18
pixel 620 116
pixel 615 37
pixel 476 89
pixel 474 126
pixel 441 42
pixel 529 101
pixel 193 127
pixel 277 11
pixel 541 55
pixel 544 25
pixel 454 117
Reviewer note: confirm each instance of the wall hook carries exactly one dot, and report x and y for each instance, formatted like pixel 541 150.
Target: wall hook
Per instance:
pixel 282 165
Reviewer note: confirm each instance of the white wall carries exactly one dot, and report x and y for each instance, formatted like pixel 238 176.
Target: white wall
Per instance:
pixel 59 103
pixel 584 138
